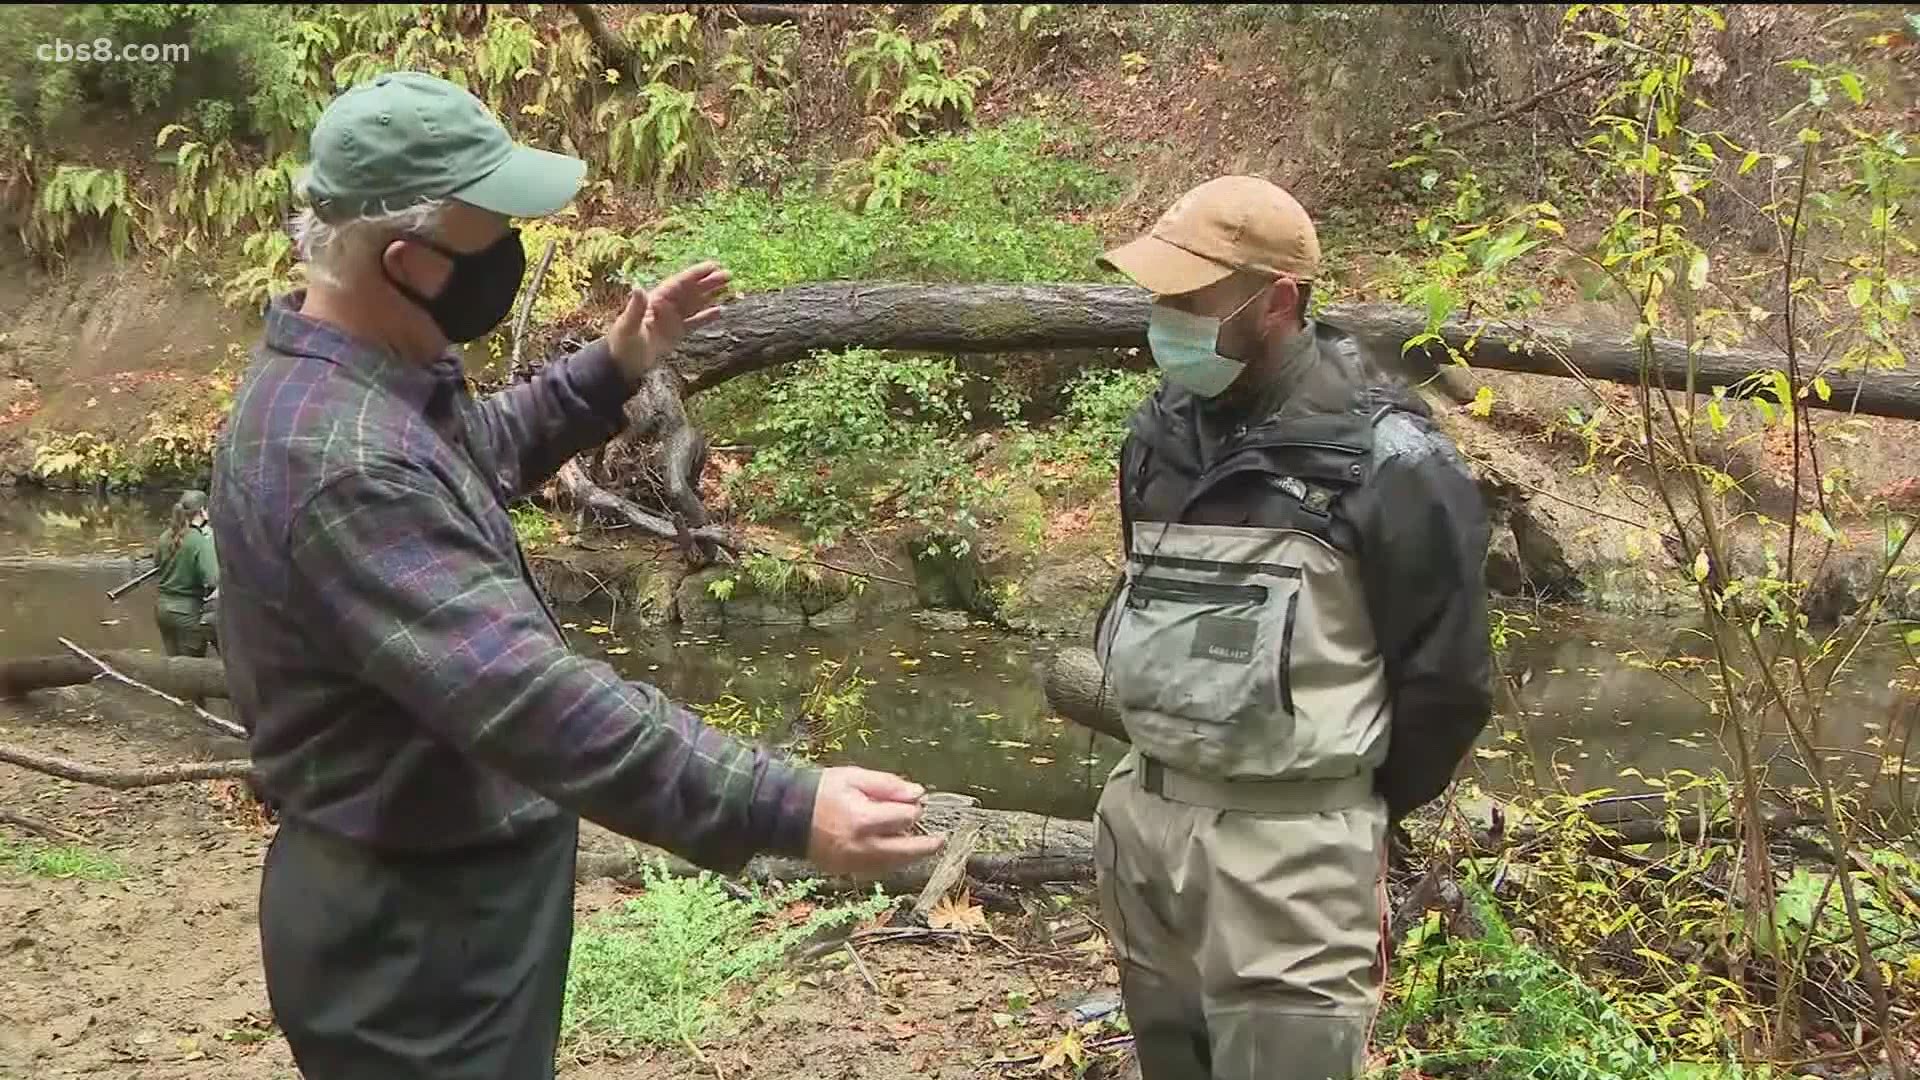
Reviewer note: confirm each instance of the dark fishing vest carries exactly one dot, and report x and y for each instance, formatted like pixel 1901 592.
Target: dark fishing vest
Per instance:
pixel 1239 644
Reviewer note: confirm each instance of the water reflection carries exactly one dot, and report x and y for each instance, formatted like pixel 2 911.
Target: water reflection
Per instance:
pixel 955 710
pixel 60 523
pixel 1586 712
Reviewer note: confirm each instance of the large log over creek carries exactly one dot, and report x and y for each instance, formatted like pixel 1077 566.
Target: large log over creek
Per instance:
pixel 766 330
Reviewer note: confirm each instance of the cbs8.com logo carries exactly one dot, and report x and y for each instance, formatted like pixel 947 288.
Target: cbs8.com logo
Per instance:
pixel 103 50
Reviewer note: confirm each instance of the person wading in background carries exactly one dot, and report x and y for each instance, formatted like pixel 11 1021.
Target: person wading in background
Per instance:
pixel 1299 650
pixel 189 576
pixel 417 716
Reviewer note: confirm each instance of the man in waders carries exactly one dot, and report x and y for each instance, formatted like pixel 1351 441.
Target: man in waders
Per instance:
pixel 189 574
pixel 1299 650
pixel 415 712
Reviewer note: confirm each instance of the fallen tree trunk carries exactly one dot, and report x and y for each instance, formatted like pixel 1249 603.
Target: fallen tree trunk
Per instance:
pixel 81 564
pixel 1075 690
pixel 1016 868
pixel 767 329
pixel 182 676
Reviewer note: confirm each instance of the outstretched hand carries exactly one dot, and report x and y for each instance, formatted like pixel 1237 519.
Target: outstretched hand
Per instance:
pixel 655 322
pixel 863 821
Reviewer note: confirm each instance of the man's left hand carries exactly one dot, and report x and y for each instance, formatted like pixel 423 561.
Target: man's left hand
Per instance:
pixel 654 323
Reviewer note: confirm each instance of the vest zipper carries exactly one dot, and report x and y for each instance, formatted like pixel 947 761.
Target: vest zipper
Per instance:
pixel 1286 654
pixel 1159 588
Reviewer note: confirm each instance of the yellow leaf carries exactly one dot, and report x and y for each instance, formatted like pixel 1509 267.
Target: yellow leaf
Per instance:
pixel 960 914
pixel 1700 567
pixel 621 650
pixel 1067 1049
pixel 1482 402
pixel 596 628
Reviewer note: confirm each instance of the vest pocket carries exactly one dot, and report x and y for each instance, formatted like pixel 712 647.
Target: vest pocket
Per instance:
pixel 1199 668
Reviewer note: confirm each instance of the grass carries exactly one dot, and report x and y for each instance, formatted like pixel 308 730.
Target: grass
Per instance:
pixel 58 861
pixel 667 968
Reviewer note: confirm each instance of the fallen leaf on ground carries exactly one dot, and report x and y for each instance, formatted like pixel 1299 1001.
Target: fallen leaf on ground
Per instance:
pixel 1067 1049
pixel 960 914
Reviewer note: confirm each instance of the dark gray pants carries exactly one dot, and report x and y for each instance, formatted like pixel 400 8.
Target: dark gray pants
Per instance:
pixel 451 967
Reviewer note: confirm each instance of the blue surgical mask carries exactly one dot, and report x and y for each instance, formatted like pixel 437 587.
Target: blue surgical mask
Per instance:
pixel 1187 348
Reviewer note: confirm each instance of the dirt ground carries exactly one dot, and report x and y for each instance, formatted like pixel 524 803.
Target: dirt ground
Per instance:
pixel 156 974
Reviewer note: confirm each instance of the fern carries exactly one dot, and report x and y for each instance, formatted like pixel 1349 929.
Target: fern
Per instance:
pixel 666 45
pixel 73 195
pixel 270 272
pixel 934 96
pixel 505 53
pixel 216 196
pixel 671 138
pixel 915 75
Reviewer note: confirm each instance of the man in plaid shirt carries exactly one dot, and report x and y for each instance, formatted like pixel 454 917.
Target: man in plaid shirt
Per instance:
pixel 415 712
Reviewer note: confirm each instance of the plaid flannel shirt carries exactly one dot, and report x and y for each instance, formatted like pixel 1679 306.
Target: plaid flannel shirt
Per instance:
pixel 403 680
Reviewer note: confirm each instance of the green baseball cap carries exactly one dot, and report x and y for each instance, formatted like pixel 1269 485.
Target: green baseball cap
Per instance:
pixel 407 137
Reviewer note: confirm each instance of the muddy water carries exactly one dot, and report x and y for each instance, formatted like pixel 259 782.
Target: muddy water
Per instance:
pixel 964 710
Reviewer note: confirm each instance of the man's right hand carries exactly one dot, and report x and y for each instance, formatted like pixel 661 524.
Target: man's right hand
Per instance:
pixel 862 822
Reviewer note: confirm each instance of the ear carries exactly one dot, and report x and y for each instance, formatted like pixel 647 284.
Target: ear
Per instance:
pixel 1282 306
pixel 416 265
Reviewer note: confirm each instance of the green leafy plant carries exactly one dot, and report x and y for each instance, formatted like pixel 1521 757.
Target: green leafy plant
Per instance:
pixel 686 959
pixel 216 197
pixel 535 527
pixel 1087 437
pixel 864 411
pixel 1496 1008
pixel 84 460
pixel 987 206
pixel 75 197
pixel 758 65
pixel 918 84
pixel 670 137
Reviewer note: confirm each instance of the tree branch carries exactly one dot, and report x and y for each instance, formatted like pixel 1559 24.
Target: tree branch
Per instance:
pixel 126 779
pixel 224 727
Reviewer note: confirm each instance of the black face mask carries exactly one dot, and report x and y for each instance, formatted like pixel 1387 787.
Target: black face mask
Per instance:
pixel 479 292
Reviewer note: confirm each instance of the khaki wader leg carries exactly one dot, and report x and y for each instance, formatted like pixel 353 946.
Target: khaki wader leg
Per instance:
pixel 1253 939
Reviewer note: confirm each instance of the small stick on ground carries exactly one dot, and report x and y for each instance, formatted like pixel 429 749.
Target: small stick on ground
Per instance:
pixel 862 966
pixel 224 727
pixel 949 871
pixel 40 828
pixel 126 779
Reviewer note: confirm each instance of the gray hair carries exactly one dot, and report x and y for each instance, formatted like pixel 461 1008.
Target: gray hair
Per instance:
pixel 331 249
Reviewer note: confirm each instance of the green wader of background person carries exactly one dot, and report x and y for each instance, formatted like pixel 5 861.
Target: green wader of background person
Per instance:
pixel 188 579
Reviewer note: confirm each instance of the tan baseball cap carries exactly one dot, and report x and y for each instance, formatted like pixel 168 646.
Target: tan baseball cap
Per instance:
pixel 1226 224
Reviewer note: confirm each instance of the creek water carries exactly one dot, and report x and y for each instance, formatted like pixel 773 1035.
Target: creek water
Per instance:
pixel 964 710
